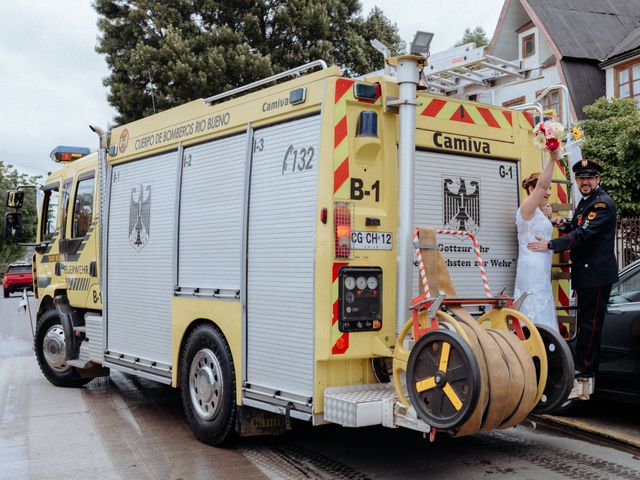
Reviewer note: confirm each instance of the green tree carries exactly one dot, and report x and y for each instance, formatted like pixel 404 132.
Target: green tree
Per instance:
pixel 10 178
pixel 477 36
pixel 612 138
pixel 162 53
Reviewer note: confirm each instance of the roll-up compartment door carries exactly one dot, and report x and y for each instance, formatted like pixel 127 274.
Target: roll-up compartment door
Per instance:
pixel 211 215
pixel 281 249
pixel 140 240
pixel 474 194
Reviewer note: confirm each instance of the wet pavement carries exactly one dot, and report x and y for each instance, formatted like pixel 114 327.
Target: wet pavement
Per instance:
pixel 131 428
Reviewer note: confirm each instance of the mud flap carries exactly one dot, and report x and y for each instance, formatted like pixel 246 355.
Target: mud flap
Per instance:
pixel 253 422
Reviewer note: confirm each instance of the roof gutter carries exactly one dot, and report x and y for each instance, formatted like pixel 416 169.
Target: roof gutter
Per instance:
pixel 620 58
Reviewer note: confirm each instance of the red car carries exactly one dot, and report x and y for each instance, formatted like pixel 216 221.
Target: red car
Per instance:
pixel 17 278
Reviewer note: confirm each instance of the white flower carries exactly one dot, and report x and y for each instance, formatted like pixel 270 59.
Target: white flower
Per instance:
pixel 540 142
pixel 557 129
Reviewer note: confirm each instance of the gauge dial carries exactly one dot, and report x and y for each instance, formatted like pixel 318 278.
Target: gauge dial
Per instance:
pixel 349 297
pixel 361 283
pixel 372 283
pixel 349 283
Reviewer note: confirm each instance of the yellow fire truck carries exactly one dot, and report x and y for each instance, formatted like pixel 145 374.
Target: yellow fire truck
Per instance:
pixel 257 251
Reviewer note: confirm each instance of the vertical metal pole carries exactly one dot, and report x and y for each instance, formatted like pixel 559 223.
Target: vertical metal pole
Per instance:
pixel 408 74
pixel 102 172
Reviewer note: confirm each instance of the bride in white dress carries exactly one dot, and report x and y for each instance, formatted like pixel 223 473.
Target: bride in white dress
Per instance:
pixel 534 268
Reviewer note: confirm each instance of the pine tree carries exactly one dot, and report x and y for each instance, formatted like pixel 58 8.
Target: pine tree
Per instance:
pixel 477 36
pixel 162 53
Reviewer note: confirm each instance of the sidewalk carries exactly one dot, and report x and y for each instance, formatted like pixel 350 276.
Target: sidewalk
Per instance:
pixel 608 420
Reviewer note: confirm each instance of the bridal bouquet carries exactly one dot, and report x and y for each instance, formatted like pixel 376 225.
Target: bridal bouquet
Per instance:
pixel 548 136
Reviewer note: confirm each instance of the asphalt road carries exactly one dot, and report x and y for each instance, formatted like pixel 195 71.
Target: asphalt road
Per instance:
pixel 130 428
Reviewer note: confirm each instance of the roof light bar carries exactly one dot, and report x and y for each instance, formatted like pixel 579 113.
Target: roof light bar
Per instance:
pixel 64 153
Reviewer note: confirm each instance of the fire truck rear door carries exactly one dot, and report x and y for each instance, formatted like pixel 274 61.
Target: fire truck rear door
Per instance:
pixel 475 194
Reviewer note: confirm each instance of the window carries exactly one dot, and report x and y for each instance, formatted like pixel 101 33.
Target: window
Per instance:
pixel 513 102
pixel 19 269
pixel 66 195
pixel 627 80
pixel 528 45
pixel 50 207
pixel 628 289
pixel 552 101
pixel 83 208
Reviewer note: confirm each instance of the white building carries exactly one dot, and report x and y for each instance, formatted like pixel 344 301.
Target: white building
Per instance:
pixel 541 43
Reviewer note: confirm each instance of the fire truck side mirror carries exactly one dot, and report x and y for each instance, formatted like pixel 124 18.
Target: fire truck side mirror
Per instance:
pixel 15 198
pixel 13 226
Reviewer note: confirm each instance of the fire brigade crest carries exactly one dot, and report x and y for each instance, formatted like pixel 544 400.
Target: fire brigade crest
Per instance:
pixel 461 204
pixel 139 216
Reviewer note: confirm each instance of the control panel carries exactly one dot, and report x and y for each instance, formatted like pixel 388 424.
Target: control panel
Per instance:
pixel 360 299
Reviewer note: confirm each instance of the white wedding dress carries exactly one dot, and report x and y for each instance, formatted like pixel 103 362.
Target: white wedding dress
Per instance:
pixel 534 271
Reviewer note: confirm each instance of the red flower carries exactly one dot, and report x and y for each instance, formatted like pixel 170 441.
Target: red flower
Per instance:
pixel 552 144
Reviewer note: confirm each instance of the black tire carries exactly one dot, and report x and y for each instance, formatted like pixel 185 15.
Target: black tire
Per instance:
pixel 208 383
pixel 49 347
pixel 560 373
pixel 5 292
pixel 568 408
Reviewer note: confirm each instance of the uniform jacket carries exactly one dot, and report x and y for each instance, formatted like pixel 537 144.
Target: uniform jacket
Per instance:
pixel 591 237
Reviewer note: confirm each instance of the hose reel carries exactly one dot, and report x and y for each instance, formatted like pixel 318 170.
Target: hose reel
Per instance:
pixel 465 375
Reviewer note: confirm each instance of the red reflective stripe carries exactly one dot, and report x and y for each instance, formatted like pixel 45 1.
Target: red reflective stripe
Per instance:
pixel 488 117
pixel 507 115
pixel 433 108
pixel 340 175
pixel 342 86
pixel 342 344
pixel 340 131
pixel 562 195
pixel 562 296
pixel 529 117
pixel 336 270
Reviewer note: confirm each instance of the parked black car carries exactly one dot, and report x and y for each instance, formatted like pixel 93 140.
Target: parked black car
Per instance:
pixel 619 372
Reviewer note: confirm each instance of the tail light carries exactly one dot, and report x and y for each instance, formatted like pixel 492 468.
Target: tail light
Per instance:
pixel 342 222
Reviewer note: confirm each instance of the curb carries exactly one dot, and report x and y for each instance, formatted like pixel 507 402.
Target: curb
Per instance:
pixel 589 428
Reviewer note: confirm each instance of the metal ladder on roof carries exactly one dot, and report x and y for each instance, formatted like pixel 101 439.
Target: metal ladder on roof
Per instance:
pixel 465 65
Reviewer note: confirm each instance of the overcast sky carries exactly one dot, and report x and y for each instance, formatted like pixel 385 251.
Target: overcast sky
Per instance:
pixel 51 77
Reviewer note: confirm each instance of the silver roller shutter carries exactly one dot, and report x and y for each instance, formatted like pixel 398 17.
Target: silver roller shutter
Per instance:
pixel 494 210
pixel 211 214
pixel 139 251
pixel 281 249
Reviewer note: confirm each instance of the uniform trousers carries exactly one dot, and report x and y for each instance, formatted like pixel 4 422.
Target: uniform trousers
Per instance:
pixel 592 305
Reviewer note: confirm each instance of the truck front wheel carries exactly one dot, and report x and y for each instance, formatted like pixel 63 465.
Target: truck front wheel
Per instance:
pixel 208 384
pixel 6 292
pixel 50 353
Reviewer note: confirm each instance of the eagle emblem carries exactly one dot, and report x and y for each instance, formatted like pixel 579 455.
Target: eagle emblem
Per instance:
pixel 140 216
pixel 461 207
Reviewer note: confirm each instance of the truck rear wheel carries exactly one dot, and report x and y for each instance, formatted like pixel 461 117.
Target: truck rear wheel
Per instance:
pixel 50 353
pixel 208 384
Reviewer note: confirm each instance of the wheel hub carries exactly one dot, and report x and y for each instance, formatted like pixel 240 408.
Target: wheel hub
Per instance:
pixel 205 384
pixel 53 348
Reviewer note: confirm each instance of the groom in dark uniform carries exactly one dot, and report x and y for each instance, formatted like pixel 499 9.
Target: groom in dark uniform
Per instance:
pixel 591 239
